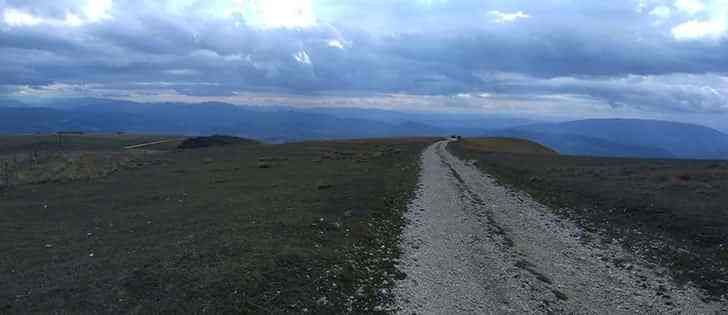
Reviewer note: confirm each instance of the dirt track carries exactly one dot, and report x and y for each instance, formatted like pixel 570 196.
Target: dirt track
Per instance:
pixel 473 246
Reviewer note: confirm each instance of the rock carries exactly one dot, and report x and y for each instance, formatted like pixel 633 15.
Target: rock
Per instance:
pixel 264 165
pixel 322 301
pixel 323 186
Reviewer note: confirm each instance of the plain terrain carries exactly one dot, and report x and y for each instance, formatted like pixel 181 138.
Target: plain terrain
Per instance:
pixel 672 212
pixel 249 228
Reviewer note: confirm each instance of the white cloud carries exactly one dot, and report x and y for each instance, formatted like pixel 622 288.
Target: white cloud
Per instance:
pixel 700 20
pixel 274 13
pixel 691 7
pixel 15 18
pixel 92 11
pixel 73 20
pixel 503 18
pixel 711 29
pixel 335 44
pixel 97 10
pixel 661 12
pixel 644 5
pixel 302 57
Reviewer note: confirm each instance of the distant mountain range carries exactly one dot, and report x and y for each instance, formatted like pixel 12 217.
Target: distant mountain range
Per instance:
pixel 626 138
pixel 271 124
pixel 463 124
pixel 605 137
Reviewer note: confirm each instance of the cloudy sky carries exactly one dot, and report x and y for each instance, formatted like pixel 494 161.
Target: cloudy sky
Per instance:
pixel 571 58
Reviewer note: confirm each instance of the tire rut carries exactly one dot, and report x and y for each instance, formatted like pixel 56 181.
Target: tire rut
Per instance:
pixel 474 247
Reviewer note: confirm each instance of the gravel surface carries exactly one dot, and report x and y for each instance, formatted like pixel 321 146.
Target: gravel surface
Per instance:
pixel 472 246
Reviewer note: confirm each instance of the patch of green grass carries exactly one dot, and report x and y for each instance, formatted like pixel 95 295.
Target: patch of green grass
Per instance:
pixel 209 230
pixel 672 212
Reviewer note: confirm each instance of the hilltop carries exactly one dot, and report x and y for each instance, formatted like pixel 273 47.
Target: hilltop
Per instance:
pixel 507 145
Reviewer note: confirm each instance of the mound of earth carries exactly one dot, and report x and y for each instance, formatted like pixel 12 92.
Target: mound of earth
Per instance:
pixel 214 141
pixel 508 145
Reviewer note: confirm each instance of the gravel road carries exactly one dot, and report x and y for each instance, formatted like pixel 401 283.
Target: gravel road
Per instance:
pixel 474 247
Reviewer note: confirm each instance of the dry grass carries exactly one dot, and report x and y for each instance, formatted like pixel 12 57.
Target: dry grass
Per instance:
pixel 507 145
pixel 208 230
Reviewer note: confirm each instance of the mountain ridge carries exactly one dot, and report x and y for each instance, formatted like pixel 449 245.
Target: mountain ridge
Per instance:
pixel 591 137
pixel 627 138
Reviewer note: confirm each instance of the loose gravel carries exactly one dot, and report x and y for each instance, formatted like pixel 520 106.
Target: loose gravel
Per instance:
pixel 475 247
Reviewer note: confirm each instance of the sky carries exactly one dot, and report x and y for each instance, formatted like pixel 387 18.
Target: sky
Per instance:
pixel 664 59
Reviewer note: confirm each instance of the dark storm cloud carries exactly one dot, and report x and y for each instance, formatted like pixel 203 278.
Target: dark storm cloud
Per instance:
pixel 406 46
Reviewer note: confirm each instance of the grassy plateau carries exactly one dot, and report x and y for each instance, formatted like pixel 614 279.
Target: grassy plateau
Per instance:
pixel 244 228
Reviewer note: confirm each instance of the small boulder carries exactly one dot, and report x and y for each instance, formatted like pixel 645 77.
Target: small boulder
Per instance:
pixel 264 165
